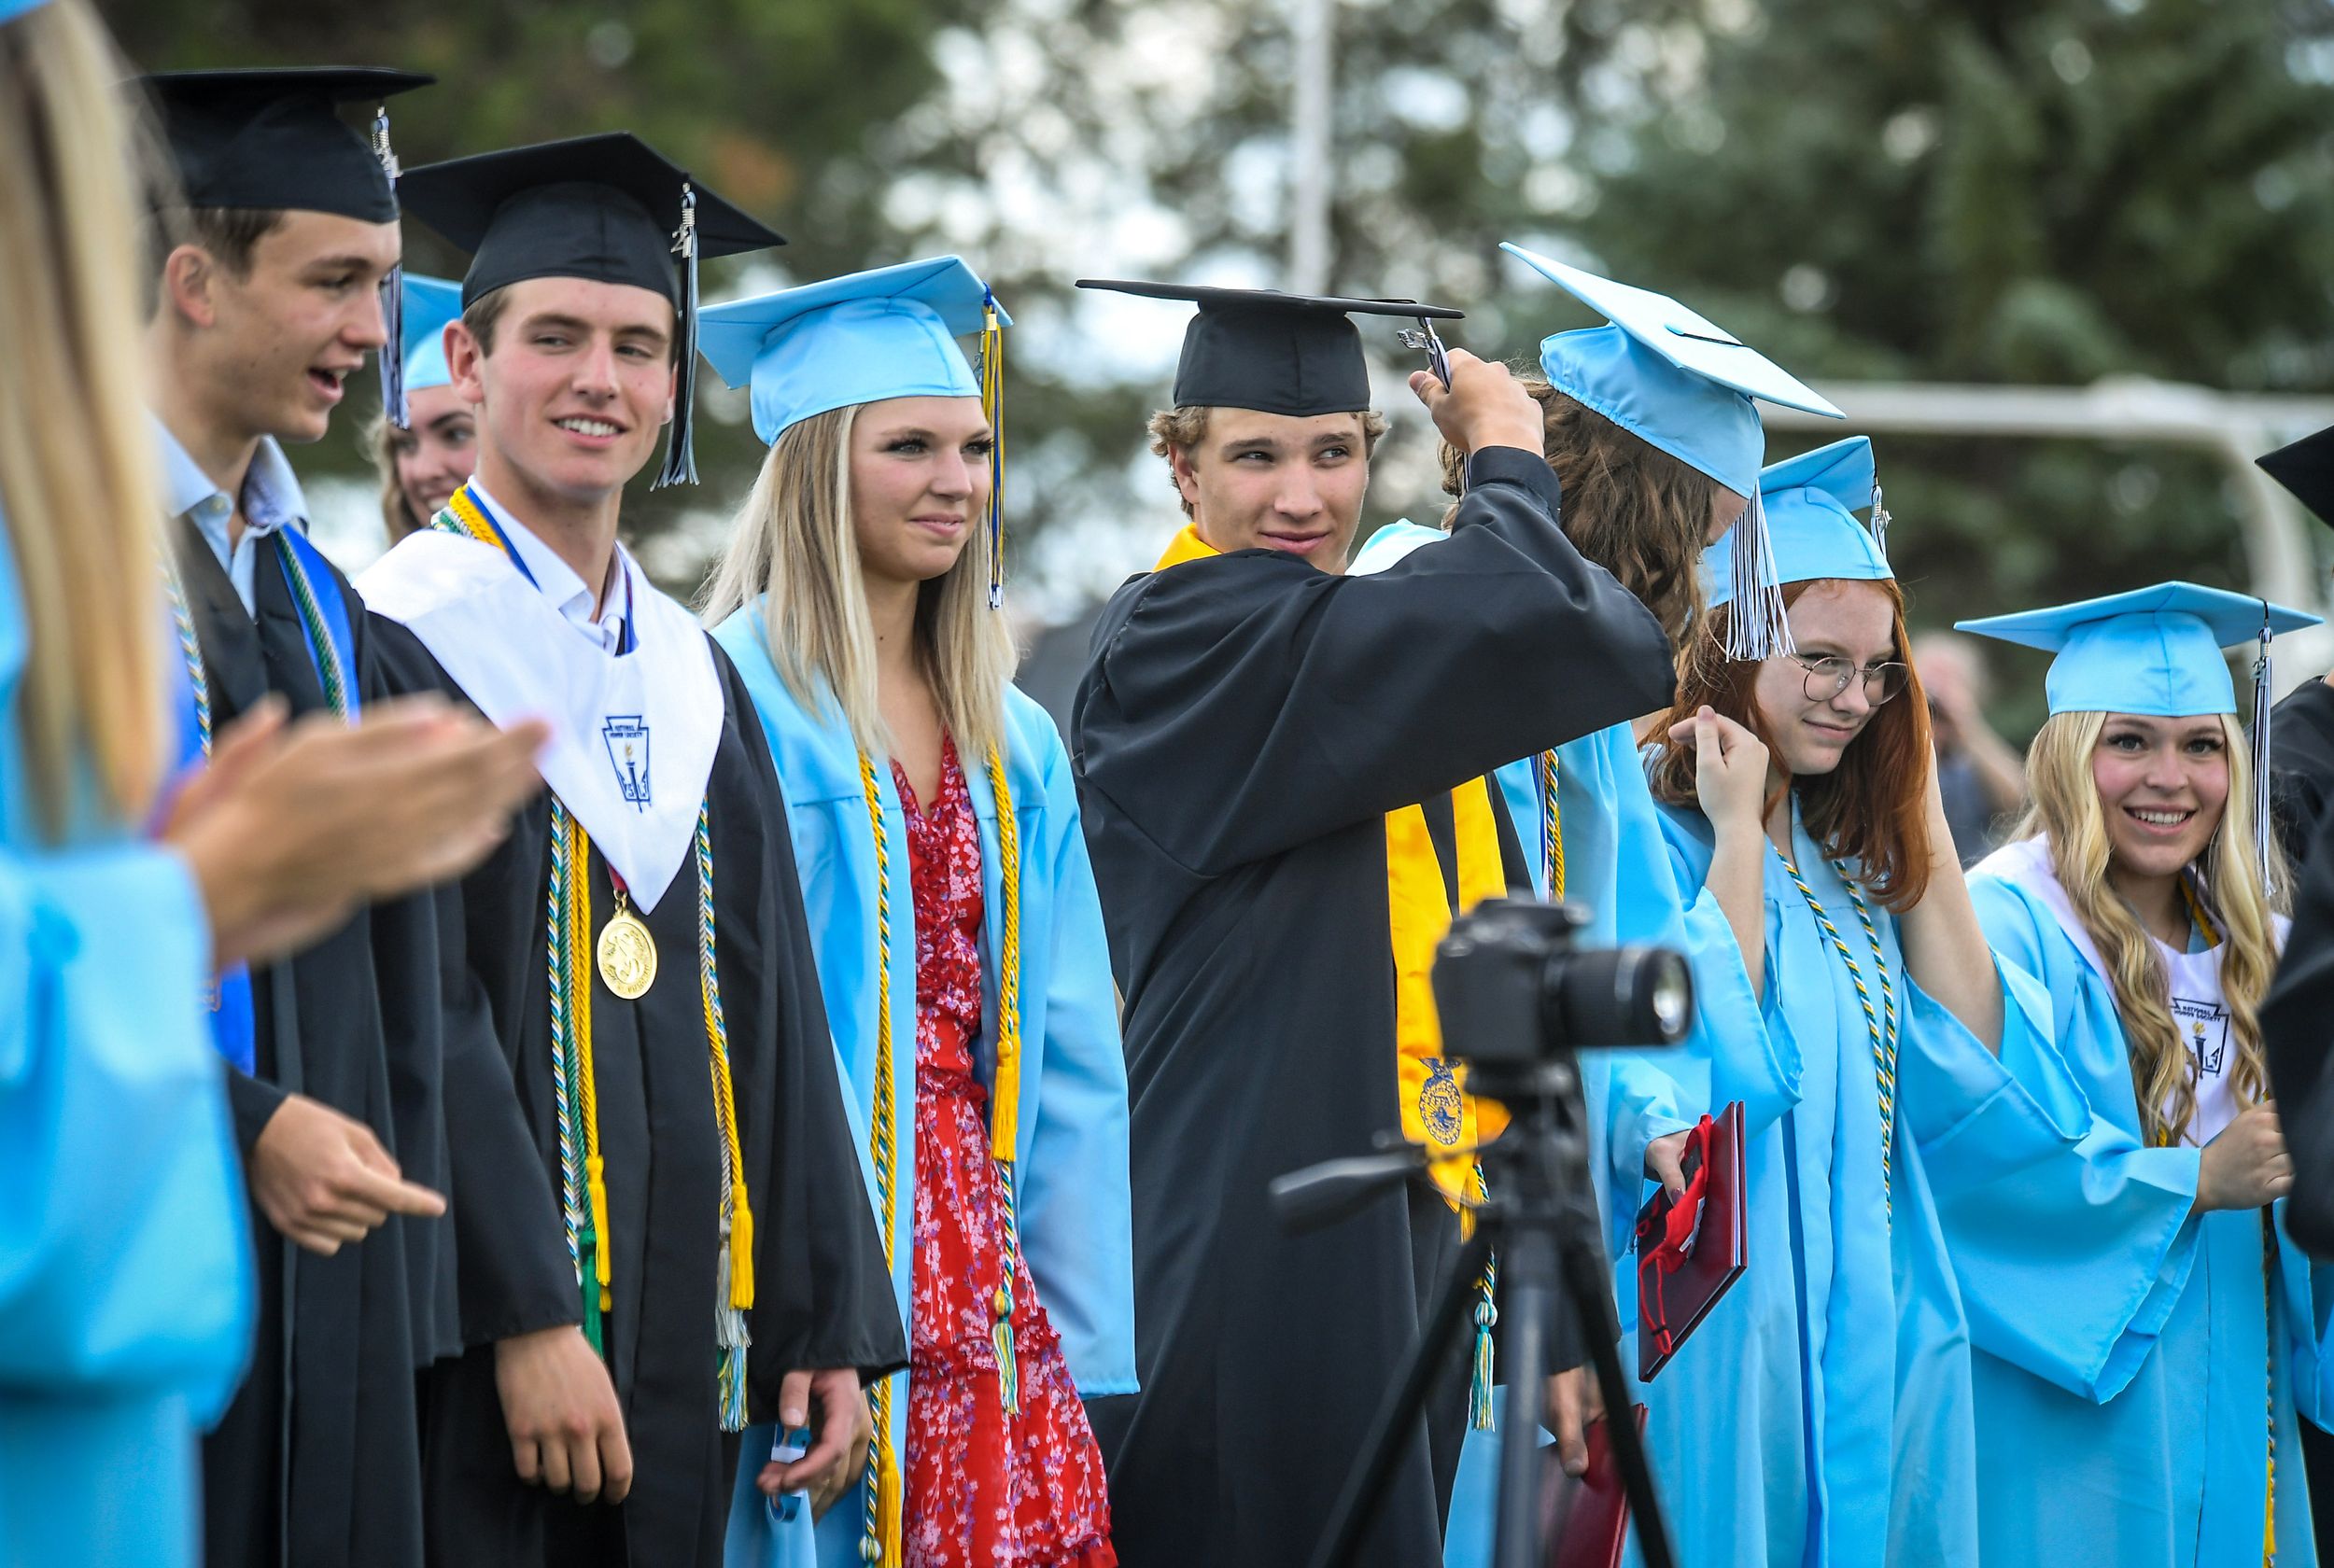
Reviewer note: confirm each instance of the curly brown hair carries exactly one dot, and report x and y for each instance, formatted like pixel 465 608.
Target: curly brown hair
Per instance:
pixel 1628 506
pixel 1180 429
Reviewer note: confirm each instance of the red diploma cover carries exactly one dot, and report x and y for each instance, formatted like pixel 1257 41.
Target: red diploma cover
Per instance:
pixel 1585 1522
pixel 1689 1250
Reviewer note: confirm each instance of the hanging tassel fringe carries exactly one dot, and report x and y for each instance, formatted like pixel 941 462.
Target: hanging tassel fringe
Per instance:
pixel 595 1294
pixel 392 295
pixel 1479 1412
pixel 993 407
pixel 681 456
pixel 1880 521
pixel 2258 750
pixel 1758 629
pixel 730 1334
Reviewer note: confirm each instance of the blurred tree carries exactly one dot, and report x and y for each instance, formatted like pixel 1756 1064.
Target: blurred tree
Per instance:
pixel 2015 191
pixel 2004 190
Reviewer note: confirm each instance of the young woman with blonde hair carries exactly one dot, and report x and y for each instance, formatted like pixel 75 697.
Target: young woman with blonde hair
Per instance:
pixel 1823 1413
pixel 2144 1329
pixel 959 934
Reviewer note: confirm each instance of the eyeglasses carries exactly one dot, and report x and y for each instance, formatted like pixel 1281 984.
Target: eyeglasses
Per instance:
pixel 1827 678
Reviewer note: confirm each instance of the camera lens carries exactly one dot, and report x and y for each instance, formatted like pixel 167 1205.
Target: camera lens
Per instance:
pixel 1625 996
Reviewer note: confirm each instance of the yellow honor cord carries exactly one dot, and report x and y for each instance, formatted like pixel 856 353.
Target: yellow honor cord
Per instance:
pixel 1005 1097
pixel 881 1542
pixel 725 1094
pixel 579 1003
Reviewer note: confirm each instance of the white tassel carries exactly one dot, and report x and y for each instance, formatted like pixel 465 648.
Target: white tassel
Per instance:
pixel 1758 627
pixel 730 1334
pixel 1880 520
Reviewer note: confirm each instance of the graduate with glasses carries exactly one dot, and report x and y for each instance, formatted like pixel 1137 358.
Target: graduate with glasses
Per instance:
pixel 1284 775
pixel 2146 1332
pixel 1651 428
pixel 1822 1414
pixel 688 1247
pixel 959 938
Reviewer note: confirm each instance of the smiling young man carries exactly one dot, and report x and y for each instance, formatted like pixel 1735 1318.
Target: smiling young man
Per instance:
pixel 694 1248
pixel 267 299
pixel 1282 771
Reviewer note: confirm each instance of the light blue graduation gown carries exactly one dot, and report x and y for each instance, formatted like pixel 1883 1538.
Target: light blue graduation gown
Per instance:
pixel 125 1270
pixel 1070 1174
pixel 2124 1345
pixel 1822 1415
pixel 1617 865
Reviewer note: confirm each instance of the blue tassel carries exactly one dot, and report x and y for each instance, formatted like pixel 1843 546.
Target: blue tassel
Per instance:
pixel 1479 1412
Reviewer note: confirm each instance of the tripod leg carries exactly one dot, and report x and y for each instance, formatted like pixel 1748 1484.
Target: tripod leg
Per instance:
pixel 1365 1485
pixel 1592 1299
pixel 1528 1269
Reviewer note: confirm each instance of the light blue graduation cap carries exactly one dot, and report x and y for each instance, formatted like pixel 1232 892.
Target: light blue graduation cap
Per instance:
pixel 11 9
pixel 1681 383
pixel 1810 502
pixel 428 303
pixel 861 338
pixel 2157 652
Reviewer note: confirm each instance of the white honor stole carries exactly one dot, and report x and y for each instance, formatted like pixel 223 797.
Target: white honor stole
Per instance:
pixel 633 733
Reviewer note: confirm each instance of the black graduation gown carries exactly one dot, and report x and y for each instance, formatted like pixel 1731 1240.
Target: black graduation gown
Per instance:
pixel 2302 764
pixel 2298 1035
pixel 823 1296
pixel 334 1477
pixel 1244 726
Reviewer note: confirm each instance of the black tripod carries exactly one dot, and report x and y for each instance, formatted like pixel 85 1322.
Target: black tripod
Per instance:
pixel 1542 1218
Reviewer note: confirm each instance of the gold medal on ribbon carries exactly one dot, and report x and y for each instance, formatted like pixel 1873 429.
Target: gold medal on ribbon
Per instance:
pixel 627 953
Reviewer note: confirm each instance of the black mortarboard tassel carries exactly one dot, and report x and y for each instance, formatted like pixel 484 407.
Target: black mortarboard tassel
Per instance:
pixel 392 293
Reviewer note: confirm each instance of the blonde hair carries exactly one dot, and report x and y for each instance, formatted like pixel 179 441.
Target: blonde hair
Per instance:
pixel 397 518
pixel 796 548
pixel 2066 808
pixel 78 469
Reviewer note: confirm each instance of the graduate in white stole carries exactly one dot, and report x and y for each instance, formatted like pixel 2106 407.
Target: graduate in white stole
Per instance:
pixel 2141 1347
pixel 871 361
pixel 1822 1414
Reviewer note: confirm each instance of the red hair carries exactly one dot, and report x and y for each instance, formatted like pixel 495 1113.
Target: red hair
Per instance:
pixel 1871 810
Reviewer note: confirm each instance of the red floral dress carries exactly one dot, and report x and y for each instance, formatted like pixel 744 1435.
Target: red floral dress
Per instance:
pixel 983 1490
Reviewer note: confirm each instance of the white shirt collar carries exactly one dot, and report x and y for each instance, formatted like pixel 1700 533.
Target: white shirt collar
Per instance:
pixel 559 582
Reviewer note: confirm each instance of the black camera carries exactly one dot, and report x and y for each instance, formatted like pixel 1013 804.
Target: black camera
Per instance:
pixel 1515 990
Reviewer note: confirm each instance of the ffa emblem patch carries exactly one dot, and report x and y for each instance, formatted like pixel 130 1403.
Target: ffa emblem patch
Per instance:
pixel 626 737
pixel 1439 1103
pixel 2205 1026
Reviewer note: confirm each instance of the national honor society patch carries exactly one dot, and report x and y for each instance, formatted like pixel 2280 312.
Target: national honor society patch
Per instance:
pixel 627 738
pixel 2205 1026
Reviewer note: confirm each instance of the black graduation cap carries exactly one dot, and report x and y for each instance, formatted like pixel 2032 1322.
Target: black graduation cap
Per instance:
pixel 2307 469
pixel 274 139
pixel 1259 348
pixel 609 208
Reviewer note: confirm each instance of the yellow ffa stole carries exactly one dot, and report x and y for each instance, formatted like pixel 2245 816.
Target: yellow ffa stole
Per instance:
pixel 1438 1113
